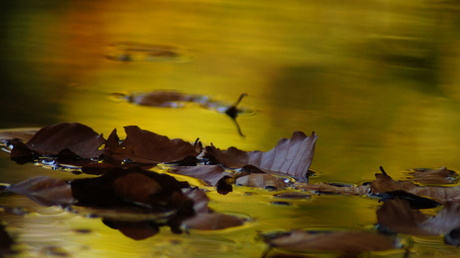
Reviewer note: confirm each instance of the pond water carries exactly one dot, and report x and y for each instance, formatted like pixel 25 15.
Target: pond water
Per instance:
pixel 378 81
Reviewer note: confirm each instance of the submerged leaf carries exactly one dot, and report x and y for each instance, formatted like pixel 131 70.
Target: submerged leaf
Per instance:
pixel 352 242
pixel 290 156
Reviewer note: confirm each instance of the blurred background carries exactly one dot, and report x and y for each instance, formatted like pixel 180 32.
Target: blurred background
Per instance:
pixel 378 81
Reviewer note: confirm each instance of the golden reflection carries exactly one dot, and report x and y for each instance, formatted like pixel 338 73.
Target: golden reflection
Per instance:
pixel 377 81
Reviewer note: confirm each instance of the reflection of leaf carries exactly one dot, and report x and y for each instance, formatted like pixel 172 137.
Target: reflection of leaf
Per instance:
pixel 350 242
pixel 266 181
pixel 334 189
pixel 290 156
pixel 44 190
pixel 137 230
pixel 147 147
pixel 6 242
pixel 398 216
pixel 205 218
pixel 132 52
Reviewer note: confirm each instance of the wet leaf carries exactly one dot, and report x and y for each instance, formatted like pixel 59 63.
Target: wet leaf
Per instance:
pixel 147 147
pixel 433 176
pixel 265 181
pixel 415 201
pixel 351 242
pixel 290 156
pixel 44 190
pixel 75 137
pixel 360 190
pixel 384 183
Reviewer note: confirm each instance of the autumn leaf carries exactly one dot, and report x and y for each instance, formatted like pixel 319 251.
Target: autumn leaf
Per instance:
pixel 147 147
pixel 384 183
pixel 432 176
pixel 290 156
pixel 349 242
pixel 75 137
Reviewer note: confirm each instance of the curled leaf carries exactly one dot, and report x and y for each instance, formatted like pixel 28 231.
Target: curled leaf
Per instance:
pixel 290 156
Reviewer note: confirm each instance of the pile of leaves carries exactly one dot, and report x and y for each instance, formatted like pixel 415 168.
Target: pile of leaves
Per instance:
pixel 122 189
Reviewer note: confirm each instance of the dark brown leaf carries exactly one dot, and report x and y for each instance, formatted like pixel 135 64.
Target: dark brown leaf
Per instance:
pixel 354 242
pixel 45 190
pixel 78 138
pixel 290 156
pixel 147 147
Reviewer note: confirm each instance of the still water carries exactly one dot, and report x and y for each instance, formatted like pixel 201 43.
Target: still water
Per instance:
pixel 378 81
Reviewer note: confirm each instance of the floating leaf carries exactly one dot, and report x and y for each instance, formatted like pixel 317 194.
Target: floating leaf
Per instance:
pixel 360 190
pixel 75 137
pixel 433 176
pixel 350 242
pixel 384 183
pixel 290 156
pixel 147 147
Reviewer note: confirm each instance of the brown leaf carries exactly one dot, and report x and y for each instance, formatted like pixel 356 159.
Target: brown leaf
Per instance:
pixel 290 156
pixel 261 181
pixel 210 174
pixel 44 190
pixel 78 138
pixel 354 242
pixel 433 176
pixel 384 183
pixel 148 147
pixel 360 190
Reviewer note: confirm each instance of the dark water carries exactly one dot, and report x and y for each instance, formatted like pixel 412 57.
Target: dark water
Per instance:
pixel 377 81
